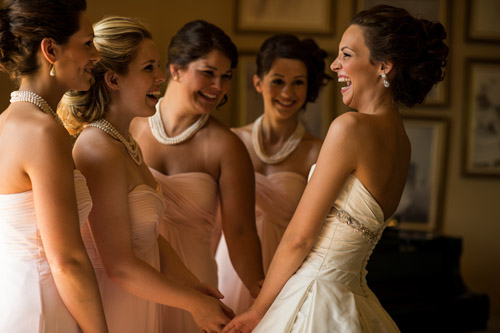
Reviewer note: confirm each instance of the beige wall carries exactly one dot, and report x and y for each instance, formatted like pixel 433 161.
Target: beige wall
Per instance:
pixel 471 205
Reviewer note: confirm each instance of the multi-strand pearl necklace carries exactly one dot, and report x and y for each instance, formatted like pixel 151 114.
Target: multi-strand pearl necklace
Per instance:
pixel 156 125
pixel 130 144
pixel 288 147
pixel 31 97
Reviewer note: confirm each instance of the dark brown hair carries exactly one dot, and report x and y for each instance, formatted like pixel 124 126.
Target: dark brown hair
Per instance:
pixel 414 46
pixel 23 25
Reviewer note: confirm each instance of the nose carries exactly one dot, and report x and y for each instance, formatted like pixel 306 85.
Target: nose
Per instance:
pixel 160 75
pixel 288 90
pixel 217 83
pixel 335 66
pixel 94 54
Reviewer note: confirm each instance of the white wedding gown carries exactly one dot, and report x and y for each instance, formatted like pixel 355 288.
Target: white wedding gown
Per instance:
pixel 328 293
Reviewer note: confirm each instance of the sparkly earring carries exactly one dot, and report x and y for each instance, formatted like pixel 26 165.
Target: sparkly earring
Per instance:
pixel 52 70
pixel 387 84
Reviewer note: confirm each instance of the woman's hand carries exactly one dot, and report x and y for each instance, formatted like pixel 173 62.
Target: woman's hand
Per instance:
pixel 243 323
pixel 207 290
pixel 210 314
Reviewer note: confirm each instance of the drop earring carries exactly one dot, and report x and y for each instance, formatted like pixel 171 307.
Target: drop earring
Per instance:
pixel 52 71
pixel 387 84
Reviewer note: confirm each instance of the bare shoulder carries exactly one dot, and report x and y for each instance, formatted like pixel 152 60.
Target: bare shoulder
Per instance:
pixel 244 133
pixel 95 150
pixel 227 141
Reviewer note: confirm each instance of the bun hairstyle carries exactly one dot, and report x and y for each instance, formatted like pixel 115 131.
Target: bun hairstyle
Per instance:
pixel 117 39
pixel 291 47
pixel 414 46
pixel 195 40
pixel 23 25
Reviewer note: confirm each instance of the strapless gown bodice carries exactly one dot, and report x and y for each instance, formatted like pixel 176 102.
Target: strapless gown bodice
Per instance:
pixel 192 203
pixel 328 293
pixel 126 312
pixel 29 300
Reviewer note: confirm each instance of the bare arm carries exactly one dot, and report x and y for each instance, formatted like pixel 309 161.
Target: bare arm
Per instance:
pixel 323 188
pixel 50 169
pixel 103 164
pixel 237 188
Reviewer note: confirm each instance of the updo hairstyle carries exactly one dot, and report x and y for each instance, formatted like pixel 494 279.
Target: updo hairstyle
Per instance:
pixel 23 25
pixel 291 47
pixel 117 39
pixel 414 46
pixel 194 41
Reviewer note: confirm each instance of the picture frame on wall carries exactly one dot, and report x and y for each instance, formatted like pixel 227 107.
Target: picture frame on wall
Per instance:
pixel 420 207
pixel 292 16
pixel 432 10
pixel 316 118
pixel 482 23
pixel 482 118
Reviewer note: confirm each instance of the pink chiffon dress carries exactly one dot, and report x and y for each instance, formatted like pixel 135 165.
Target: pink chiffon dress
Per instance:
pixel 277 197
pixel 29 300
pixel 192 203
pixel 127 313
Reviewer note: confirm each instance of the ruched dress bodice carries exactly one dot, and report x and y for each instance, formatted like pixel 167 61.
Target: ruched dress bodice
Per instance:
pixel 328 293
pixel 29 300
pixel 276 197
pixel 126 312
pixel 192 203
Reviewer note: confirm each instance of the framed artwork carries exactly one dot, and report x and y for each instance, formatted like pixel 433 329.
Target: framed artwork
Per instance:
pixel 420 205
pixel 482 119
pixel 294 16
pixel 432 10
pixel 482 23
pixel 316 118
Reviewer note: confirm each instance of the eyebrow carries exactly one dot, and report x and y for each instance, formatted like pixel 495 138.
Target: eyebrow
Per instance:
pixel 281 75
pixel 151 61
pixel 215 68
pixel 346 47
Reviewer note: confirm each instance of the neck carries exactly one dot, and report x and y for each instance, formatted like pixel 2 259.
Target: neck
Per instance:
pixel 44 88
pixel 276 131
pixel 120 120
pixel 175 116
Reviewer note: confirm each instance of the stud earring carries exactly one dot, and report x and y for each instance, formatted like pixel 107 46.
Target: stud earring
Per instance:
pixel 52 71
pixel 387 84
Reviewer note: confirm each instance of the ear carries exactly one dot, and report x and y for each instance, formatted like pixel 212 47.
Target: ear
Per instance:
pixel 385 67
pixel 50 49
pixel 257 82
pixel 174 71
pixel 111 80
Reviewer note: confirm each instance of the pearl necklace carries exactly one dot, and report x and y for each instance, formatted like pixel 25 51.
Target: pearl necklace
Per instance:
pixel 33 98
pixel 130 144
pixel 288 147
pixel 156 125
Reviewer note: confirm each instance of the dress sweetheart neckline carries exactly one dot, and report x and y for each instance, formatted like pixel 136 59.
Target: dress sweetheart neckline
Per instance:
pixel 183 174
pixel 282 172
pixel 147 187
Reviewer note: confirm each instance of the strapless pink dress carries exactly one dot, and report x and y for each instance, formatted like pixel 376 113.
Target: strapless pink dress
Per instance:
pixel 126 312
pixel 29 300
pixel 277 197
pixel 192 203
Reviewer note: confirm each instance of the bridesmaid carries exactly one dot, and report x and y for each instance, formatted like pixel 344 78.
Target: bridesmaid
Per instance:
pixel 122 231
pixel 202 166
pixel 290 73
pixel 46 279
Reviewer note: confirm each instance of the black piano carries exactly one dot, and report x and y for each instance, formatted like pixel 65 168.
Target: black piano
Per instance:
pixel 416 277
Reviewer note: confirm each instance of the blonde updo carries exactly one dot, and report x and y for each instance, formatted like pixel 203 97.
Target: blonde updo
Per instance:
pixel 117 40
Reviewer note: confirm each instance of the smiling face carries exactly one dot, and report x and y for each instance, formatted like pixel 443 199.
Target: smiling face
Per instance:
pixel 140 86
pixel 284 87
pixel 205 81
pixel 354 68
pixel 77 58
